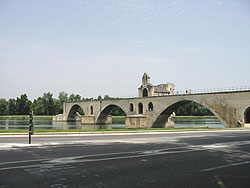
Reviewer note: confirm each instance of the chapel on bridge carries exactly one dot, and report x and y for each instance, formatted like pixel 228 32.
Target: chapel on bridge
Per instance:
pixel 147 89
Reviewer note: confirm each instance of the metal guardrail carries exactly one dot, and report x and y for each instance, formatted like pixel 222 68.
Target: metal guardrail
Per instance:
pixel 213 90
pixel 196 91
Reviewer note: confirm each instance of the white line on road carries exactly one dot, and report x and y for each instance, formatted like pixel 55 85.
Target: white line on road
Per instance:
pixel 84 159
pixel 226 144
pixel 225 166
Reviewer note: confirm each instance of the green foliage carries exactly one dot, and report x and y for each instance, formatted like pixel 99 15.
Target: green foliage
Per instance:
pixel 99 97
pixel 117 112
pixel 107 97
pixel 23 105
pixel 38 107
pixel 75 98
pixel 47 105
pixel 193 109
pixel 63 97
pixel 11 108
pixel 3 106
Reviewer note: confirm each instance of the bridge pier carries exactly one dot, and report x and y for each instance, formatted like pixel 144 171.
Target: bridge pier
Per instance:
pixel 104 120
pixel 59 118
pixel 88 120
pixel 136 121
pixel 231 108
pixel 170 122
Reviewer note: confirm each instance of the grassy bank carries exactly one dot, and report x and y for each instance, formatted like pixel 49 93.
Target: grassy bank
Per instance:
pixel 115 119
pixel 21 117
pixel 101 130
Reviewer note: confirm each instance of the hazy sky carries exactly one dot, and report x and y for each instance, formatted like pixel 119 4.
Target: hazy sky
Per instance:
pixel 97 47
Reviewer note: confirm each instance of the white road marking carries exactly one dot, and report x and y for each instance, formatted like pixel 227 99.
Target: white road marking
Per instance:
pixel 225 166
pixel 24 161
pixel 84 159
pixel 225 144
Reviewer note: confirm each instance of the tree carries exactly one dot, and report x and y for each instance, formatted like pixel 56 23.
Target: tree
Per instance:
pixel 58 106
pixel 63 98
pixel 117 112
pixel 11 108
pixel 3 106
pixel 99 97
pixel 107 97
pixel 48 103
pixel 72 97
pixel 75 98
pixel 23 105
pixel 192 109
pixel 38 106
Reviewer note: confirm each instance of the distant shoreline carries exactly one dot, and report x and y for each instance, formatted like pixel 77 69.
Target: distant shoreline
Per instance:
pixel 23 117
pixel 115 118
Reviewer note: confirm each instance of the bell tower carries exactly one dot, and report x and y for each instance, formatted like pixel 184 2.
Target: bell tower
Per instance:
pixel 145 79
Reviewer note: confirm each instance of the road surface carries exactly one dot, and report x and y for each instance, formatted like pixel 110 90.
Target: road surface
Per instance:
pixel 186 159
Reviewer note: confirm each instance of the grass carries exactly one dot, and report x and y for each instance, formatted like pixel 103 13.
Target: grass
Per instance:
pixel 115 120
pixel 101 130
pixel 21 117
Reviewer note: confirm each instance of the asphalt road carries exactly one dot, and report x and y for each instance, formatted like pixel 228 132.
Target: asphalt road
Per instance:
pixel 192 159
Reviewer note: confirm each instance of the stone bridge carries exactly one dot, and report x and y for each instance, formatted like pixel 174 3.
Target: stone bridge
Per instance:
pixel 231 108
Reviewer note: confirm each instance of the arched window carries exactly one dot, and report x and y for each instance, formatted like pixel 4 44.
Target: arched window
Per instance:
pixel 247 115
pixel 131 107
pixel 140 108
pixel 145 92
pixel 150 106
pixel 91 110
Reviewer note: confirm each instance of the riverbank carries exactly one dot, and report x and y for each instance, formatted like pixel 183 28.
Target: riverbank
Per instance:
pixel 116 119
pixel 103 130
pixel 22 117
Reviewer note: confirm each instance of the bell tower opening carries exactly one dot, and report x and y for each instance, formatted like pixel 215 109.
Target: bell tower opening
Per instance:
pixel 145 92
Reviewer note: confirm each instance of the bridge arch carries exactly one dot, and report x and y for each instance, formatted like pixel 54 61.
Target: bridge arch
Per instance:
pixel 75 113
pixel 102 117
pixel 163 116
pixel 247 115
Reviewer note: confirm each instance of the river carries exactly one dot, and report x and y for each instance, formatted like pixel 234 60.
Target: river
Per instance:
pixel 9 124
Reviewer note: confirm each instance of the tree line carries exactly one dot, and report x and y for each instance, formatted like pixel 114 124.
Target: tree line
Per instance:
pixel 44 105
pixel 47 105
pixel 193 109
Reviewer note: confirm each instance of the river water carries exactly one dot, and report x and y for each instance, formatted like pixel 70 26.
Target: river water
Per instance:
pixel 9 124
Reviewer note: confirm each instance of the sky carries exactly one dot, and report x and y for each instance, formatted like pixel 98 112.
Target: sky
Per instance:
pixel 98 47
